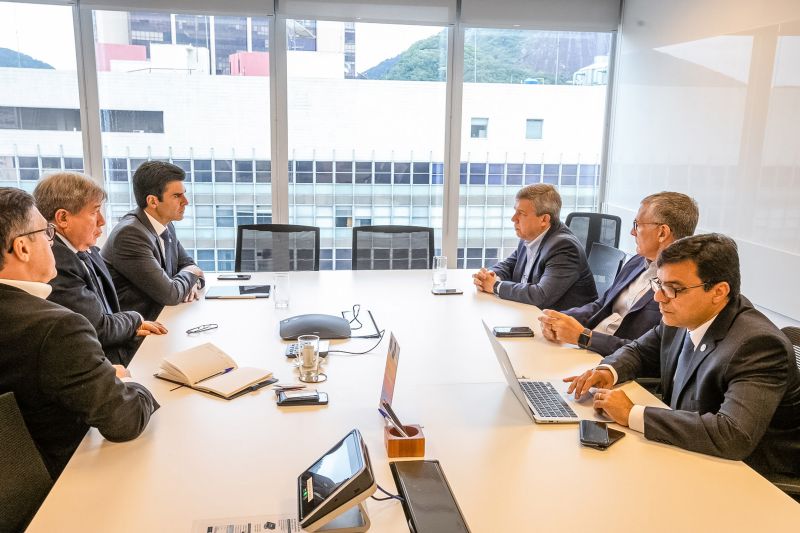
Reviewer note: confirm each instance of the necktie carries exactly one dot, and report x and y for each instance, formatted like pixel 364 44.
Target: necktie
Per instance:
pixel 526 273
pixel 684 359
pixel 97 286
pixel 169 260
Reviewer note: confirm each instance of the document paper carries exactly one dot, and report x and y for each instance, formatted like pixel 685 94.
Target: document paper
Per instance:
pixel 248 524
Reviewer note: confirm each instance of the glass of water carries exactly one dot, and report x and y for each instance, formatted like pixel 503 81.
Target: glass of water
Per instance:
pixel 281 290
pixel 440 272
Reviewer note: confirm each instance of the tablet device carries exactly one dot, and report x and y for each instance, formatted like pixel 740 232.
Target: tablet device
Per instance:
pixel 223 292
pixel 339 480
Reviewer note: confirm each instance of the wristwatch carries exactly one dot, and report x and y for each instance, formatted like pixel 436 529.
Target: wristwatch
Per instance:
pixel 495 287
pixel 585 338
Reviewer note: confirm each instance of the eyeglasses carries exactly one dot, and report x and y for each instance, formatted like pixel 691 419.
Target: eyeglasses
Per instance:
pixel 668 290
pixel 636 224
pixel 49 232
pixel 200 329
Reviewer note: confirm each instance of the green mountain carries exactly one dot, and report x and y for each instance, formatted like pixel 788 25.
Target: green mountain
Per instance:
pixel 498 56
pixel 14 59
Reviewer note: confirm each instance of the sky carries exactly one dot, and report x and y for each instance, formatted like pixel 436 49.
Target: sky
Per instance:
pixel 45 33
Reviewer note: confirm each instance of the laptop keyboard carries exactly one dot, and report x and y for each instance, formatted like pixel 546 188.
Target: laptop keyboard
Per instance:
pixel 546 400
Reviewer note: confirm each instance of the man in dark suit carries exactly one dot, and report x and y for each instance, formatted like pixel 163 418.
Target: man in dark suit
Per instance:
pixel 728 373
pixel 548 268
pixel 149 266
pixel 49 356
pixel 627 310
pixel 73 203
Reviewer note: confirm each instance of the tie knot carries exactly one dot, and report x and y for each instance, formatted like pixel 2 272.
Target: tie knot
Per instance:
pixel 165 235
pixel 83 256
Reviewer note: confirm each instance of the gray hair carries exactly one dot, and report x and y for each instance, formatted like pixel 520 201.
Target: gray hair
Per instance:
pixel 676 210
pixel 66 190
pixel 15 216
pixel 545 199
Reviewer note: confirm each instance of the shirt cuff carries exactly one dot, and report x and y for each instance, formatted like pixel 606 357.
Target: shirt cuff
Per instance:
pixel 636 418
pixel 613 372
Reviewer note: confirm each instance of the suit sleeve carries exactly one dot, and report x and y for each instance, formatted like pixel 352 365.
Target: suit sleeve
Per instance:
pixel 561 270
pixel 641 357
pixel 505 269
pixel 132 256
pixel 70 290
pixel 75 373
pixel 756 381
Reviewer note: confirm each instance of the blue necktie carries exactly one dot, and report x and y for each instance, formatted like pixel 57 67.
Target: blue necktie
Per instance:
pixel 97 286
pixel 169 260
pixel 684 360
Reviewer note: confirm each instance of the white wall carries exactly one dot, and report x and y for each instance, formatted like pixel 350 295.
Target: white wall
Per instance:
pixel 707 102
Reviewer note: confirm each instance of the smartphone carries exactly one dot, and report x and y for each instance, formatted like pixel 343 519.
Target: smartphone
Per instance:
pixel 598 434
pixel 440 292
pixel 302 397
pixel 516 331
pixel 233 276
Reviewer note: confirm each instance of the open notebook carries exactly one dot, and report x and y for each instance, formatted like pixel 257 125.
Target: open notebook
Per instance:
pixel 207 368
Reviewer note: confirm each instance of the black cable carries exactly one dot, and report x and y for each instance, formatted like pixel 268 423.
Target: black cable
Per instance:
pixel 380 334
pixel 356 310
pixel 389 494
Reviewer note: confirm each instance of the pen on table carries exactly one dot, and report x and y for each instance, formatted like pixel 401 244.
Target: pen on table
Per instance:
pixel 400 430
pixel 215 375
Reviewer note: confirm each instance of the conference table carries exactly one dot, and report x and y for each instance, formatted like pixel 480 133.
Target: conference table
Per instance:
pixel 202 457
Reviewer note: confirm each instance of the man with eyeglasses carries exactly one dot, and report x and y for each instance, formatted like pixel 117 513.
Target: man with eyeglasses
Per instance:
pixel 627 309
pixel 50 357
pixel 727 372
pixel 74 204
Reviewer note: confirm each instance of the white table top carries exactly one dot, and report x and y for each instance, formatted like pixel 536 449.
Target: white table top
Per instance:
pixel 204 457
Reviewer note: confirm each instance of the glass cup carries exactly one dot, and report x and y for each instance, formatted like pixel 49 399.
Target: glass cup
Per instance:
pixel 440 272
pixel 281 287
pixel 308 357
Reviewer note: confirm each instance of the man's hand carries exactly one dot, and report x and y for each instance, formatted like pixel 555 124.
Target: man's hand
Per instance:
pixel 194 269
pixel 121 371
pixel 615 403
pixel 558 327
pixel 484 280
pixel 193 294
pixel 150 328
pixel 596 377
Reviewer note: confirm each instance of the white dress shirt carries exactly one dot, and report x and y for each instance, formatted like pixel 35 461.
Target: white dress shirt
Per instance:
pixel 34 288
pixel 159 229
pixel 531 247
pixel 626 299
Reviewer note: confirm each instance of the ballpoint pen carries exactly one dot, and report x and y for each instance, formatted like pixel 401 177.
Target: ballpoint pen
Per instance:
pixel 215 375
pixel 392 422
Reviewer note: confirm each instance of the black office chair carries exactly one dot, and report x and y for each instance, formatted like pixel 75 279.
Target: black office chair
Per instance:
pixel 25 480
pixel 605 262
pixel 790 484
pixel 392 247
pixel 276 248
pixel 590 228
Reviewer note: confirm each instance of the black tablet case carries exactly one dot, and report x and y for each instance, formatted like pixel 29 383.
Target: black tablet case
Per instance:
pixel 429 504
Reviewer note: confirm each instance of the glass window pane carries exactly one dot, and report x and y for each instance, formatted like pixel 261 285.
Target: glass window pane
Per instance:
pixel 340 78
pixel 192 89
pixel 516 80
pixel 40 127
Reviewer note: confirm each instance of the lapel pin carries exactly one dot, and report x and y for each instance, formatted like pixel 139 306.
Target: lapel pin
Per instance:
pixel 702 347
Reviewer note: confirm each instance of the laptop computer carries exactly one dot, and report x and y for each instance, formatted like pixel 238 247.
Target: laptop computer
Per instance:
pixel 542 400
pixel 236 292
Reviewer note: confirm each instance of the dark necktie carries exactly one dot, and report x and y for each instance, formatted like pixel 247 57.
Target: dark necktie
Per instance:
pixel 169 259
pixel 684 360
pixel 97 286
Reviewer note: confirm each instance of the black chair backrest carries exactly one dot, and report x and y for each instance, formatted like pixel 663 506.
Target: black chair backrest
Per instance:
pixel 794 335
pixel 276 248
pixel 605 262
pixel 24 480
pixel 392 247
pixel 590 228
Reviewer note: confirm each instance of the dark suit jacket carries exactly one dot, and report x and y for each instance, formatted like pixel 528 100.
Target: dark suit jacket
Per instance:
pixel 560 277
pixel 643 316
pixel 144 280
pixel 72 288
pixel 51 360
pixel 741 396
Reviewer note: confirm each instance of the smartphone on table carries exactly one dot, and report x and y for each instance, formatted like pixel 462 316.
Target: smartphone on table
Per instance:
pixel 233 277
pixel 512 331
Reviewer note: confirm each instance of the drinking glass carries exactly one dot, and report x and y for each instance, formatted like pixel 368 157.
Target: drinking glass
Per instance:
pixel 440 272
pixel 281 290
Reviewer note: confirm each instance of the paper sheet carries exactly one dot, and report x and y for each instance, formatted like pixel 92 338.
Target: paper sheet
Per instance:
pixel 248 524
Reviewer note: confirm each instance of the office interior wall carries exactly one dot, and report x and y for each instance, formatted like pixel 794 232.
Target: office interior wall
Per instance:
pixel 707 102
